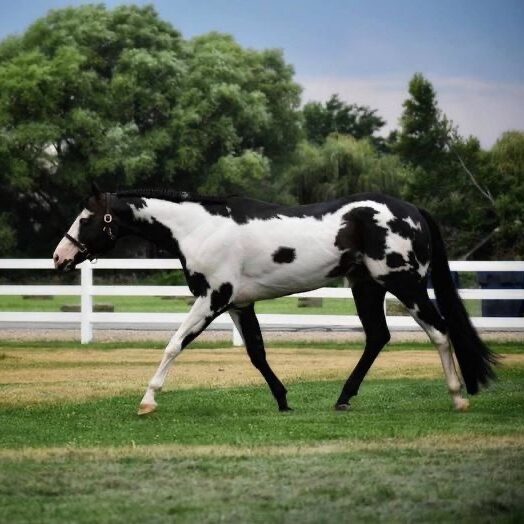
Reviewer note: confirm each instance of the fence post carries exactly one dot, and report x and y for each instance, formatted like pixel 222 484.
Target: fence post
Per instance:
pixel 86 303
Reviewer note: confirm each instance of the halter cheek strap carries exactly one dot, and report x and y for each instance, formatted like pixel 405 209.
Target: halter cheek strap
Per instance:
pixel 108 220
pixel 82 247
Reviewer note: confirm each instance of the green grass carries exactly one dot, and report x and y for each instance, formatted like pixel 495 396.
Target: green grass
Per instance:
pixel 247 416
pixel 157 304
pixel 378 470
pixel 286 305
pixel 400 485
pixel 509 347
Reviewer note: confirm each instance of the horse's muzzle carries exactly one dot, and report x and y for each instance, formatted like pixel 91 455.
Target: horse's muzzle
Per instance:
pixel 63 265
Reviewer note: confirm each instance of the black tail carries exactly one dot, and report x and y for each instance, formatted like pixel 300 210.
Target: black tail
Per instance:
pixel 475 359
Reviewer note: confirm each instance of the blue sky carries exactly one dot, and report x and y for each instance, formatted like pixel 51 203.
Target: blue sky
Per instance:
pixel 472 50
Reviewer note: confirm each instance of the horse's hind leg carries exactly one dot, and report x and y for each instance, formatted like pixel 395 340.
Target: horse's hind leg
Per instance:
pixel 247 324
pixel 369 300
pixel 427 316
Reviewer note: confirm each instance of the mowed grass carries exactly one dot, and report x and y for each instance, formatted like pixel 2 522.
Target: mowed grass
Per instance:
pixel 285 305
pixel 220 451
pixel 289 306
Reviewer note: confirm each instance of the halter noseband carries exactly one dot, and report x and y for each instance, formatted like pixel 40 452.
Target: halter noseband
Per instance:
pixel 108 219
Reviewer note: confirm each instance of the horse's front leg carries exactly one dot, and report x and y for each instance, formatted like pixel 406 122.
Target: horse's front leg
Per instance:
pixel 198 318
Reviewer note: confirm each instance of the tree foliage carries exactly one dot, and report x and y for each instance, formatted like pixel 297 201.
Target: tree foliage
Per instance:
pixel 424 130
pixel 335 116
pixel 248 174
pixel 118 96
pixel 505 179
pixel 340 166
pixel 475 194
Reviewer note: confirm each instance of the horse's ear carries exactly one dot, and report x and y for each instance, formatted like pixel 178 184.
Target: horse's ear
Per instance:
pixel 96 190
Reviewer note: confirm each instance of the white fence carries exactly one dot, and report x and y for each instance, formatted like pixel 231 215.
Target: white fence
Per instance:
pixel 86 319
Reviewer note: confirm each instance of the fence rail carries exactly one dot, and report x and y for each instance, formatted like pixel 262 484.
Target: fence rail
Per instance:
pixel 87 318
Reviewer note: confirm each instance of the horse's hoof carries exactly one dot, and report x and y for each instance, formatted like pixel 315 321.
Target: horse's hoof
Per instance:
pixel 342 407
pixel 144 409
pixel 285 409
pixel 461 404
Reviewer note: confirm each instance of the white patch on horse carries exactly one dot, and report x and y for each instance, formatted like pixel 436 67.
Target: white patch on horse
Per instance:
pixel 66 250
pixel 412 223
pixel 423 269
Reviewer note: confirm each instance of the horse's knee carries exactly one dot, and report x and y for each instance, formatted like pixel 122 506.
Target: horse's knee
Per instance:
pixel 173 349
pixel 378 339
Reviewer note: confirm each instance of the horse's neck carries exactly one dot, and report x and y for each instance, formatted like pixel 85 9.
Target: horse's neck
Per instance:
pixel 163 221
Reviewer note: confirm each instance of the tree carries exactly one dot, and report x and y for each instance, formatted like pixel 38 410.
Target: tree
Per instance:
pixel 476 195
pixel 505 179
pixel 342 166
pixel 118 96
pixel 336 116
pixel 428 141
pixel 248 174
pixel 424 130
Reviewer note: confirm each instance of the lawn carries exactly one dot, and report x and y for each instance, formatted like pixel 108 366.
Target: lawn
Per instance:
pixel 72 448
pixel 286 305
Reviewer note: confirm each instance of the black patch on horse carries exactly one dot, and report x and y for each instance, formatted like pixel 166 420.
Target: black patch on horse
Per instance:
pixel 220 298
pixel 372 237
pixel 347 261
pixel 394 260
pixel 284 255
pixel 413 261
pixel 401 227
pixel 197 284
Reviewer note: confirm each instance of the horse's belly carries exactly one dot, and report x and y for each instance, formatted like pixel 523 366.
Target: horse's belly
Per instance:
pixel 283 281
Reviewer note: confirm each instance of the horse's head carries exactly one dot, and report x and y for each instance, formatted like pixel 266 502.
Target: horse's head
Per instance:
pixel 92 233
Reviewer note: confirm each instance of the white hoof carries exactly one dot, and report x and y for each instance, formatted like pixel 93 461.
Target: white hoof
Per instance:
pixel 461 404
pixel 144 409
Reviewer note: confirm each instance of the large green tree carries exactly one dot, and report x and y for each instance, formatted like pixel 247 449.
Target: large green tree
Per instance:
pixel 476 195
pixel 341 166
pixel 505 180
pixel 336 116
pixel 424 129
pixel 119 96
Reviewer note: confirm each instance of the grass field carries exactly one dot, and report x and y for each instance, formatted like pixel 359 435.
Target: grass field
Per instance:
pixel 73 450
pixel 286 305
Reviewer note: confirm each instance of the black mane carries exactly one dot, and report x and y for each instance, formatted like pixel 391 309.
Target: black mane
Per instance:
pixel 172 196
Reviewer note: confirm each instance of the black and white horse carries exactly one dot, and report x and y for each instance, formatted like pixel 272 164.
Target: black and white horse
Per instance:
pixel 235 251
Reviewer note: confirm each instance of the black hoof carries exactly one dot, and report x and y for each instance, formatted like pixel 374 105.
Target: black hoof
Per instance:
pixel 284 409
pixel 342 407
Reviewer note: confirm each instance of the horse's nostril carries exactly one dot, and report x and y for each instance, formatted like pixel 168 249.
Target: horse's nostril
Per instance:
pixel 55 258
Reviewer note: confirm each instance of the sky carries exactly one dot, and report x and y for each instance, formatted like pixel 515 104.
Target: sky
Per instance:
pixel 367 50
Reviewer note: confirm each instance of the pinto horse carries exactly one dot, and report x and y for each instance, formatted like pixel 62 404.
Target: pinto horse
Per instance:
pixel 235 251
